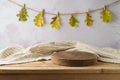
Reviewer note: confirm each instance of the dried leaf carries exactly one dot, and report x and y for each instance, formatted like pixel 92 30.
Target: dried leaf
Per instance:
pixel 23 14
pixel 55 23
pixel 88 20
pixel 73 21
pixel 105 15
pixel 39 19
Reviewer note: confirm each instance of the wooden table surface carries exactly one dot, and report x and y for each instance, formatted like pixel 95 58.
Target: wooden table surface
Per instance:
pixel 38 70
pixel 49 67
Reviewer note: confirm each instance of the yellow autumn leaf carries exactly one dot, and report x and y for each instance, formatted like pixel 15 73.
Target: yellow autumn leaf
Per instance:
pixel 39 19
pixel 55 23
pixel 105 15
pixel 88 20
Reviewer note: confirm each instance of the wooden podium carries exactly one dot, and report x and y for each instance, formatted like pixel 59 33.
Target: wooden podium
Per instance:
pixel 74 58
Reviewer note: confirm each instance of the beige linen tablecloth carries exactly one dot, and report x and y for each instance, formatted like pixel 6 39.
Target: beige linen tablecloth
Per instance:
pixel 19 54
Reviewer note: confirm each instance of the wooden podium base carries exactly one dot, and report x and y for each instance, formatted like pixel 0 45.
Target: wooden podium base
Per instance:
pixel 74 58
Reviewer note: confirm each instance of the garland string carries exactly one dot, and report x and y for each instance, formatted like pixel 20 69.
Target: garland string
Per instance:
pixel 105 16
pixel 94 10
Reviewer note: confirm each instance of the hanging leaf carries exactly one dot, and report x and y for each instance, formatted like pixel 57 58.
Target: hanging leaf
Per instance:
pixel 73 21
pixel 23 14
pixel 106 16
pixel 88 20
pixel 55 23
pixel 39 19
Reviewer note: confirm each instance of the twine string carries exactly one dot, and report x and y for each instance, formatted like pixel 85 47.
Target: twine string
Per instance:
pixel 94 10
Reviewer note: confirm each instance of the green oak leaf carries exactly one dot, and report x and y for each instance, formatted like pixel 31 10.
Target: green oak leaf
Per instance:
pixel 73 21
pixel 23 14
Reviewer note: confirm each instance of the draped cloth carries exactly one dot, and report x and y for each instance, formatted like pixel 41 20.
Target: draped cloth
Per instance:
pixel 19 54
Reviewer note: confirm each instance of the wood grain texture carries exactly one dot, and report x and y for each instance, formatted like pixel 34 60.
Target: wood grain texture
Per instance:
pixel 74 58
pixel 49 67
pixel 61 77
pixel 46 70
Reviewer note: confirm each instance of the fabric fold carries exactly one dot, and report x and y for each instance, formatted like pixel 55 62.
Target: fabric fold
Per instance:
pixel 19 54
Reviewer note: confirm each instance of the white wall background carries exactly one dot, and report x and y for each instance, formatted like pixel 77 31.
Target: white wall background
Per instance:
pixel 100 34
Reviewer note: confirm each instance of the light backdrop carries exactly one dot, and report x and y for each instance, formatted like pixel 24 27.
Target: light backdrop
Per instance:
pixel 100 34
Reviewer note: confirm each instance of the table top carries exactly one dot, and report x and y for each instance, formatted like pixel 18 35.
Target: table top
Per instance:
pixel 49 67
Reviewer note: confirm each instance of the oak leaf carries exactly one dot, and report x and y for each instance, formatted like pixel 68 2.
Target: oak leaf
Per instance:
pixel 88 20
pixel 23 14
pixel 105 15
pixel 55 23
pixel 73 21
pixel 39 19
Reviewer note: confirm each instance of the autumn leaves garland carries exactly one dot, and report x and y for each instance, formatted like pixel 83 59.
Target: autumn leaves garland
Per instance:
pixel 105 15
pixel 39 20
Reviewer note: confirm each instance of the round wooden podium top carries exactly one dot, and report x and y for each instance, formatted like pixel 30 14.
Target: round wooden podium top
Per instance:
pixel 74 58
